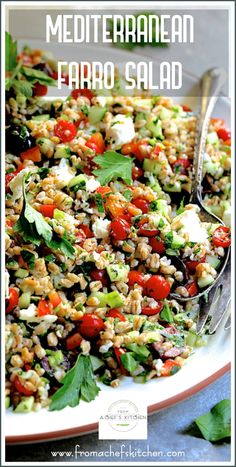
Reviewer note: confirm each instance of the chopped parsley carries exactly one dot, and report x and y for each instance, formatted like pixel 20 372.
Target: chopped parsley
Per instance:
pixel 113 166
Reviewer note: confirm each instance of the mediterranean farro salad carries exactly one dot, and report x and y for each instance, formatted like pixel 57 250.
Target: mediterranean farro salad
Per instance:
pixel 99 232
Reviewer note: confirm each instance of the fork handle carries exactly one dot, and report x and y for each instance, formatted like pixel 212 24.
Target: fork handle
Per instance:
pixel 210 86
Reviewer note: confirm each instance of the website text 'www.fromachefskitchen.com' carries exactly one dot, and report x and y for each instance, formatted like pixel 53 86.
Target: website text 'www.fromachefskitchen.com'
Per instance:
pixel 121 453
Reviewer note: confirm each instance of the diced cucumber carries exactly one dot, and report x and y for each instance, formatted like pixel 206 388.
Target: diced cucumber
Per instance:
pixel 162 207
pixel 79 180
pixel 140 379
pixel 96 362
pixel 152 166
pixel 62 151
pixel 140 116
pixel 25 406
pixel 176 188
pixel 56 358
pixel 46 145
pixel 114 299
pixel 41 118
pixel 12 264
pixel 102 297
pixel 155 126
pixel 165 114
pixel 7 402
pixel 142 105
pixel 96 114
pixel 21 273
pixel 212 138
pixel 214 261
pixel 205 281
pixel 117 272
pixel 191 339
pixel 24 300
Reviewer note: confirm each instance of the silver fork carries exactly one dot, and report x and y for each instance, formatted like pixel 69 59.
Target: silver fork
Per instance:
pixel 217 304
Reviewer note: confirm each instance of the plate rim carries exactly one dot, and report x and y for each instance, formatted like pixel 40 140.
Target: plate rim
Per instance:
pixel 166 403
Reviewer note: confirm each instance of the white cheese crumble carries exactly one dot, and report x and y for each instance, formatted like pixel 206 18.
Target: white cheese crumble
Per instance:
pixel 64 172
pixel 30 314
pixel 100 228
pixel 192 226
pixel 121 131
pixel 92 184
pixel 7 280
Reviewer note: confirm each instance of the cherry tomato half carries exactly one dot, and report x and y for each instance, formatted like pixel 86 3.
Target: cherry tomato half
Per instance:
pixel 136 149
pixel 148 232
pixel 158 245
pixel 141 204
pixel 115 313
pixel 168 367
pixel 136 277
pixel 103 190
pixel 21 388
pixel 148 311
pixel 82 92
pixel 47 210
pixel 119 229
pixel 44 308
pixel 13 300
pixel 65 130
pixel 87 231
pixel 96 143
pixel 157 287
pixel 73 341
pixel 99 275
pixel 90 325
pixel 224 133
pixel 137 172
pixel 221 237
pixel 192 288
pixel 191 265
pixel 39 89
pixel 181 165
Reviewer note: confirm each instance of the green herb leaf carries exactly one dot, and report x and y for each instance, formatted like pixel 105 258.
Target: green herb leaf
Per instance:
pixel 113 166
pixel 78 383
pixel 99 202
pixel 22 87
pixel 181 207
pixel 129 362
pixel 43 172
pixel 11 52
pixel 39 76
pixel 169 239
pixel 127 194
pixel 42 227
pixel 62 244
pixel 29 258
pixel 216 424
pixel 166 313
pixel 140 352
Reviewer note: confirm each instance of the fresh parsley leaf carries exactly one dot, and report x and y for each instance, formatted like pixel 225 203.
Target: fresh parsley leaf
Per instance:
pixel 140 352
pixel 181 207
pixel 216 424
pixel 22 87
pixel 78 383
pixel 113 166
pixel 61 244
pixel 127 194
pixel 11 52
pixel 42 227
pixel 43 172
pixel 169 239
pixel 29 258
pixel 166 313
pixel 129 362
pixel 84 109
pixel 99 202
pixel 39 76
pixel 50 258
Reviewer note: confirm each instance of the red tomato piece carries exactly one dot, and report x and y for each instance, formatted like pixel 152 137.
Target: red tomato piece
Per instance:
pixel 119 229
pixel 82 92
pixel 13 300
pixel 221 237
pixel 192 288
pixel 157 149
pixel 136 277
pixel 157 287
pixel 168 367
pixel 22 262
pixel 90 325
pixel 74 341
pixel 181 165
pixel 148 232
pixel 135 148
pixel 88 233
pixel 47 210
pixel 65 130
pixel 227 142
pixel 103 190
pixel 32 154
pixel 191 265
pixel 54 298
pixel 39 89
pixel 141 204
pixel 118 352
pixel 99 275
pixel 44 308
pixel 158 245
pixel 148 311
pixel 115 313
pixel 137 172
pixel 224 133
pixel 96 143
pixel 186 108
pixel 21 388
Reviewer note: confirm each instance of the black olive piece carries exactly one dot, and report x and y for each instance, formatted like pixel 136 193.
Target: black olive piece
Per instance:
pixel 18 139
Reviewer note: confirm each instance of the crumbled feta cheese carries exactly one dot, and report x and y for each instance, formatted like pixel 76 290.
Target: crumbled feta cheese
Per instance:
pixel 16 184
pixel 158 366
pixel 105 347
pixel 30 314
pixel 121 131
pixel 64 172
pixel 92 184
pixel 191 225
pixel 100 228
pixel 7 279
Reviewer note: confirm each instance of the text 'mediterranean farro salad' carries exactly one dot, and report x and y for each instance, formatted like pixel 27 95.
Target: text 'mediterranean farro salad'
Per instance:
pixel 97 225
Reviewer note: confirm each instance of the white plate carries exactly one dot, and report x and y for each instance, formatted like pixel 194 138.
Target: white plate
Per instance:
pixel 205 366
